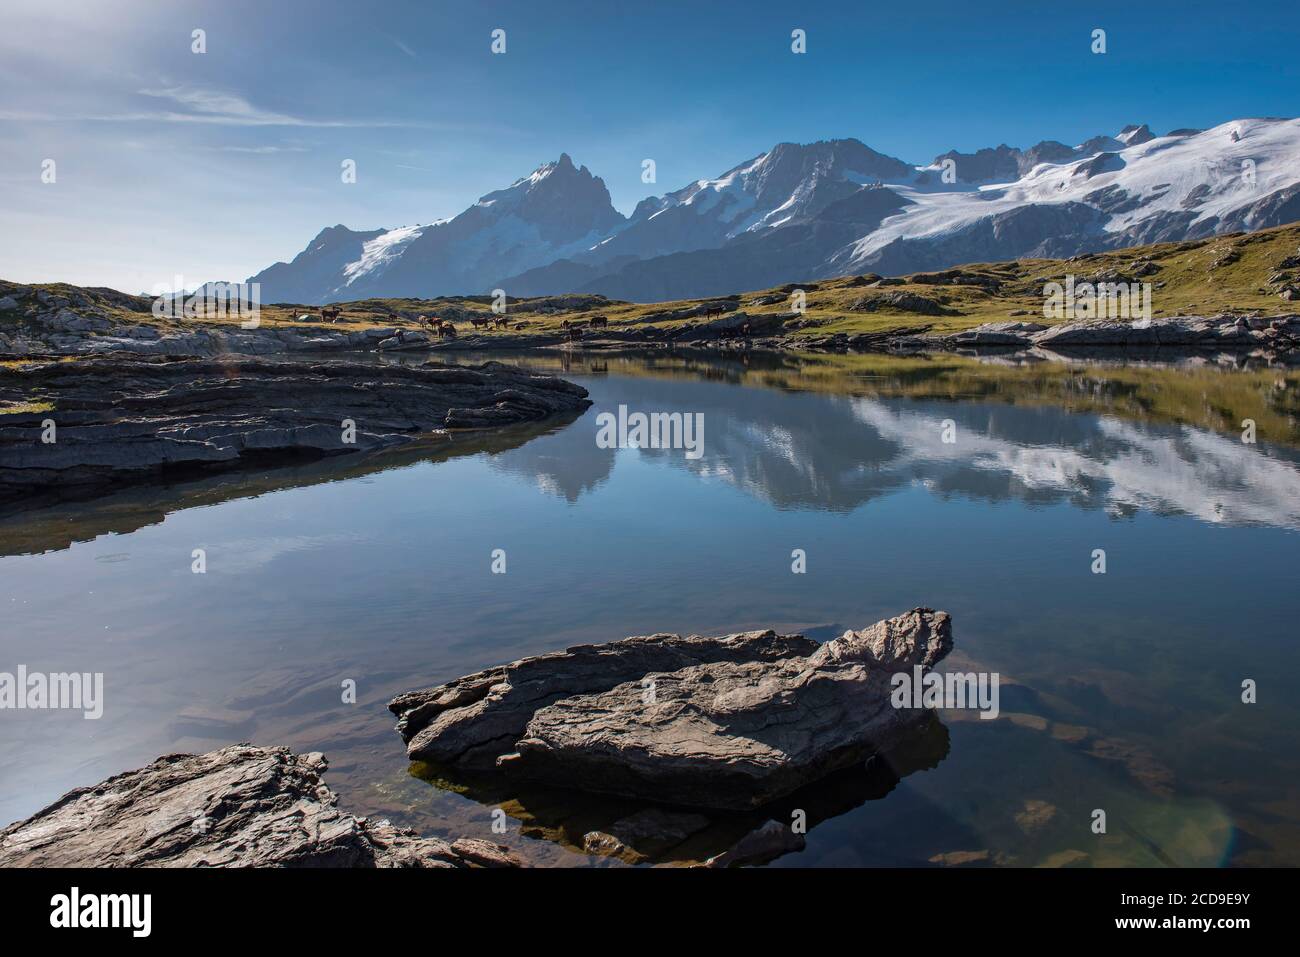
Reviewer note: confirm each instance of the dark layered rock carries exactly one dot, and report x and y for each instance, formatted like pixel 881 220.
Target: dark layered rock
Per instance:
pixel 473 720
pixel 733 722
pixel 240 806
pixel 116 419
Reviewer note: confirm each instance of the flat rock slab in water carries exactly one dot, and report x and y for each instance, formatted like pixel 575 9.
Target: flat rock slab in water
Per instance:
pixel 118 417
pixel 240 806
pixel 733 722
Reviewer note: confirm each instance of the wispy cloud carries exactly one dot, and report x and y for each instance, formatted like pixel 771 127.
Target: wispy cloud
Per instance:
pixel 203 106
pixel 403 47
pixel 261 149
pixel 215 103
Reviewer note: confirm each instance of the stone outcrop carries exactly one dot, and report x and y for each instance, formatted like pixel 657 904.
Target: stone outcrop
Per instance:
pixel 115 419
pixel 693 312
pixel 240 806
pixel 74 321
pixel 903 302
pixel 732 722
pixel 473 720
pixel 1230 333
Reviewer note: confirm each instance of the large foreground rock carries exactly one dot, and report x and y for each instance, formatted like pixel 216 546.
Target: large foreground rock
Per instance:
pixel 240 806
pixel 473 720
pixel 113 418
pixel 732 722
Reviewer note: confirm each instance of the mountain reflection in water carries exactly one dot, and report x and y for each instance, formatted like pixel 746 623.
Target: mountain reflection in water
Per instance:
pixel 1120 691
pixel 808 450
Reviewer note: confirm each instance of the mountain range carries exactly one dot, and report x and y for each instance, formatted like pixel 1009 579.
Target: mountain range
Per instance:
pixel 808 212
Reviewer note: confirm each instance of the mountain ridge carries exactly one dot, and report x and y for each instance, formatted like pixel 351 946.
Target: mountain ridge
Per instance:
pixel 817 210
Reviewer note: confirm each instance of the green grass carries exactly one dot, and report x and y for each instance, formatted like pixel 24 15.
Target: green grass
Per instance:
pixel 1194 278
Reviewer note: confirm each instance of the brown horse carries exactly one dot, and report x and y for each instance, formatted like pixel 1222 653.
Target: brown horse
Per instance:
pixel 502 323
pixel 446 330
pixel 713 309
pixel 478 323
pixel 599 321
pixel 330 315
pixel 574 334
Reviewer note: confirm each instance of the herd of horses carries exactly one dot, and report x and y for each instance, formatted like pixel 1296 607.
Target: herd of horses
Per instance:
pixel 573 329
pixel 447 329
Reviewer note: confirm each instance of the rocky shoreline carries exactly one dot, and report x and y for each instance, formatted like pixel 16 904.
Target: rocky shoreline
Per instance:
pixel 240 806
pixel 1277 336
pixel 79 323
pixel 98 421
pixel 707 736
pixel 103 322
pixel 1274 339
pixel 99 323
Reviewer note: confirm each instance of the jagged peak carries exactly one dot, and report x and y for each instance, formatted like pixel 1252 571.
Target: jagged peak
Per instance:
pixel 1135 134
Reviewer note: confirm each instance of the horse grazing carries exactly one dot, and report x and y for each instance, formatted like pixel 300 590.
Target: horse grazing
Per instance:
pixel 446 330
pixel 479 323
pixel 502 323
pixel 599 321
pixel 575 333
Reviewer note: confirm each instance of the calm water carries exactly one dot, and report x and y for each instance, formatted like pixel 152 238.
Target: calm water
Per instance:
pixel 1120 691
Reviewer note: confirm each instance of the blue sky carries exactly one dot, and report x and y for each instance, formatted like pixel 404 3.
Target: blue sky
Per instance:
pixel 213 166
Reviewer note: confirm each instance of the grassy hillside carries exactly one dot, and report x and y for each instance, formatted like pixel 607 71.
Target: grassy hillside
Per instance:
pixel 1242 272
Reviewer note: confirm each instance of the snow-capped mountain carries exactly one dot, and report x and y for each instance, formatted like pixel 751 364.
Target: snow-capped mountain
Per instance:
pixel 1242 175
pixel 559 210
pixel 786 184
pixel 805 212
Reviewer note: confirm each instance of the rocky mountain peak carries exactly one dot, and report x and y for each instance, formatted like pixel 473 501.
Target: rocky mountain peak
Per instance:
pixel 1133 135
pixel 563 200
pixel 807 210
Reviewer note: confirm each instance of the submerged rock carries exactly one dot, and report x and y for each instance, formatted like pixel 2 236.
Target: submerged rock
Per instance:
pixel 115 418
pixel 732 722
pixel 759 846
pixel 640 836
pixel 646 831
pixel 240 806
